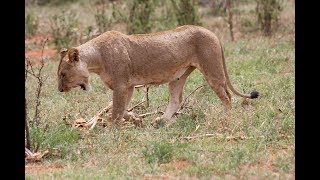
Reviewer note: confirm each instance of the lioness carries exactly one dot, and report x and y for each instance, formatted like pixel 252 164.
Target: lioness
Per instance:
pixel 124 61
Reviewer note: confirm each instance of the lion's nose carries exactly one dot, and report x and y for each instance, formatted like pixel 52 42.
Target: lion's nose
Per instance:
pixel 61 89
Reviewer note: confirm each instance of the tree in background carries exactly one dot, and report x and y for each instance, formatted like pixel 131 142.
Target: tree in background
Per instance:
pixel 102 19
pixel 230 20
pixel 268 12
pixel 186 12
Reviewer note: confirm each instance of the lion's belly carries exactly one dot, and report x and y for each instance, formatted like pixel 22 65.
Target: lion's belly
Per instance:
pixel 161 78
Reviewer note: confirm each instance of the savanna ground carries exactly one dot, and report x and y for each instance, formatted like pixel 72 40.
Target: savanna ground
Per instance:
pixel 255 142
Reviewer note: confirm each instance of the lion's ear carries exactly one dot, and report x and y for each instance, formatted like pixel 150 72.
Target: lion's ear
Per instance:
pixel 63 52
pixel 73 55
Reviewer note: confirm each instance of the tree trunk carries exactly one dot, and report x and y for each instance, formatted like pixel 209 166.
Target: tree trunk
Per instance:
pixel 26 126
pixel 230 20
pixel 267 20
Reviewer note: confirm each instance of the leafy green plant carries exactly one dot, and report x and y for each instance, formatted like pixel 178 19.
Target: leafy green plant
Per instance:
pixel 58 136
pixel 268 12
pixel 186 12
pixel 248 25
pixel 64 28
pixel 166 18
pixel 102 19
pixel 31 24
pixel 160 152
pixel 140 16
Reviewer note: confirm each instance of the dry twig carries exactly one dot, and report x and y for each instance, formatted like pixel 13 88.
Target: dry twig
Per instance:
pixel 216 135
pixel 93 121
pixel 185 100
pixel 150 113
pixel 130 109
pixel 40 80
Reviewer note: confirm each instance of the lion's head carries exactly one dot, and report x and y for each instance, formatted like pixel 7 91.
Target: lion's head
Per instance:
pixel 72 72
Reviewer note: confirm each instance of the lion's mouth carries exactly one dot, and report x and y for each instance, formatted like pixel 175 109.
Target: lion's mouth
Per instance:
pixel 83 86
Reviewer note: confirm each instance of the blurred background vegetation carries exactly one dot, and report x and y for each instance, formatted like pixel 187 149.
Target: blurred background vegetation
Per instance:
pixel 71 22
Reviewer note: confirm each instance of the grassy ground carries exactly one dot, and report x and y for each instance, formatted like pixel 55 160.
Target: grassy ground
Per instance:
pixel 256 141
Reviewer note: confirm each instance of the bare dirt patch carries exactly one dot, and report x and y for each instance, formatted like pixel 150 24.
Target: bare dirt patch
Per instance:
pixel 38 168
pixel 179 164
pixel 35 57
pixel 37 54
pixel 171 169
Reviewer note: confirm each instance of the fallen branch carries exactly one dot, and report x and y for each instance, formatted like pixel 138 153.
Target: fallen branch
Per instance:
pixel 139 86
pixel 30 156
pixel 93 121
pixel 150 113
pixel 130 109
pixel 27 152
pixel 220 136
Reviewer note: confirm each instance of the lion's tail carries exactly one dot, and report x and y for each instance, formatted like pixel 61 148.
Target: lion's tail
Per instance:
pixel 252 95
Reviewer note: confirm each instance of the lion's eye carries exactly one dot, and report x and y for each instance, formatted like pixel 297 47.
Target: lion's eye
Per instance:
pixel 63 75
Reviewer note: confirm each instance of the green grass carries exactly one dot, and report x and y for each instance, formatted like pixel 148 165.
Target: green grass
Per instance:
pixel 267 122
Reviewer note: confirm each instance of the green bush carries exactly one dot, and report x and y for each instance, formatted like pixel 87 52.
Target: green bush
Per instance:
pixel 31 24
pixel 248 25
pixel 166 18
pixel 186 12
pixel 140 16
pixel 56 137
pixel 268 12
pixel 64 28
pixel 103 20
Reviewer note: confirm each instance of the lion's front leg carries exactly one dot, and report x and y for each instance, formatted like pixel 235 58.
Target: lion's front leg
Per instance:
pixel 127 115
pixel 120 95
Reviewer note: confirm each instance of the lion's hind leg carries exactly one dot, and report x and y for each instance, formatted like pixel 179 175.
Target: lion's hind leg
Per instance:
pixel 216 79
pixel 175 89
pixel 219 86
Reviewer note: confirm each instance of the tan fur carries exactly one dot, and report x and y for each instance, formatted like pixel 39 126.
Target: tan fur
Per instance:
pixel 124 61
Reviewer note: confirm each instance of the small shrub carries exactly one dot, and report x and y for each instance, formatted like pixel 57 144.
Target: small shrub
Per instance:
pixel 103 20
pixel 247 25
pixel 56 137
pixel 186 12
pixel 64 29
pixel 88 34
pixel 218 7
pixel 140 16
pixel 37 136
pixel 166 18
pixel 31 24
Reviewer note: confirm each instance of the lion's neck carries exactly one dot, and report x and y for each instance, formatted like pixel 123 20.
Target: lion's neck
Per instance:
pixel 89 56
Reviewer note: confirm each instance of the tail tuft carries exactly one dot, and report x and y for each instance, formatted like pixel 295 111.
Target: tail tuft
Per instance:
pixel 254 94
